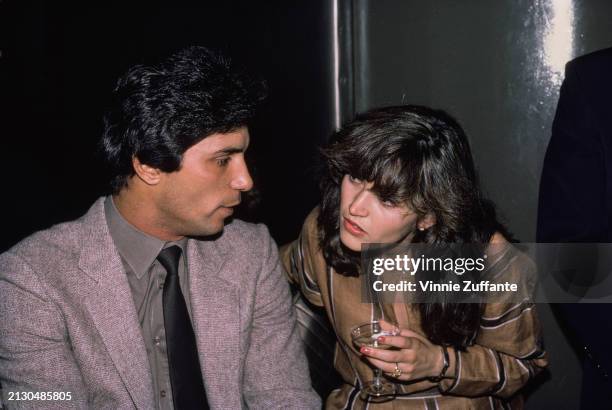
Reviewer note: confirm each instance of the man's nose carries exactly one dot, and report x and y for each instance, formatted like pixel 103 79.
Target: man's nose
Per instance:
pixel 242 180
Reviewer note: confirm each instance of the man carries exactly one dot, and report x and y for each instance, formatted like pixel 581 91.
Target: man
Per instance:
pixel 575 204
pixel 148 300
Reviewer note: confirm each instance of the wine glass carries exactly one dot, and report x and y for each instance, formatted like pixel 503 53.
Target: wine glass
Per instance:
pixel 367 335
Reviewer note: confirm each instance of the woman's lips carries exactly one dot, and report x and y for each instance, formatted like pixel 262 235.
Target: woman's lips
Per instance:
pixel 352 227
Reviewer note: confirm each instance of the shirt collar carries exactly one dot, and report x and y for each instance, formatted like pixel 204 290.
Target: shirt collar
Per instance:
pixel 138 249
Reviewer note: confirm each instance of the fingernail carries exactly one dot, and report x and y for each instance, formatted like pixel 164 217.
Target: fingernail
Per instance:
pixel 381 339
pixel 364 350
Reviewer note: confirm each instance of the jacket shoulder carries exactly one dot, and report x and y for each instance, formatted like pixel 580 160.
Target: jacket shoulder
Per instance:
pixel 311 226
pixel 244 241
pixel 60 242
pixel 599 61
pixel 241 232
pixel 310 239
pixel 44 246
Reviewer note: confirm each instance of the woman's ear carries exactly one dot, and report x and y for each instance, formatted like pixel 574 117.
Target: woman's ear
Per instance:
pixel 426 222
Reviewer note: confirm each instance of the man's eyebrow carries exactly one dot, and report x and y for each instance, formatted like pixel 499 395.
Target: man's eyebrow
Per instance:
pixel 230 151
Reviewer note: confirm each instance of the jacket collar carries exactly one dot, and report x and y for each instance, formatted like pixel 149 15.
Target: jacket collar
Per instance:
pixel 111 307
pixel 215 305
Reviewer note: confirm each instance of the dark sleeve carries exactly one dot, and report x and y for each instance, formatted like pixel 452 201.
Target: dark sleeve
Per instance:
pixel 572 188
pixel 572 202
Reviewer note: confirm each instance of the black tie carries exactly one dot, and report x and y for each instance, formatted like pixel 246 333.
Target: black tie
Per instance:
pixel 185 375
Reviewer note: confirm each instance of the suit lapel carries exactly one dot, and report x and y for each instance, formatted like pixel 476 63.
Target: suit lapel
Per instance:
pixel 216 315
pixel 111 306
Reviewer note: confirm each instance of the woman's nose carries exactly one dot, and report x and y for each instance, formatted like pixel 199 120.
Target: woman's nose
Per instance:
pixel 358 206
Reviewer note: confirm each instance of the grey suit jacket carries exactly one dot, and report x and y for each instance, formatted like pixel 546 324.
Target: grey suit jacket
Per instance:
pixel 68 321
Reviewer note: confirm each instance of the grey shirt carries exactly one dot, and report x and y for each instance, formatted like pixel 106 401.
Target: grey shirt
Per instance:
pixel 146 277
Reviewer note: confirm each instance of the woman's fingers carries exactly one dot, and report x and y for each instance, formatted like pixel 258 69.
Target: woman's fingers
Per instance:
pixel 397 341
pixel 380 354
pixel 408 357
pixel 398 363
pixel 387 326
pixel 404 354
pixel 410 334
pixel 404 373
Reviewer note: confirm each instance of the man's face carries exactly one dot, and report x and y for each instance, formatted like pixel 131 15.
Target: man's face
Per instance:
pixel 196 199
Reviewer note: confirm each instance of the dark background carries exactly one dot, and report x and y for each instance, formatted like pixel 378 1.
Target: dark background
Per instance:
pixel 60 62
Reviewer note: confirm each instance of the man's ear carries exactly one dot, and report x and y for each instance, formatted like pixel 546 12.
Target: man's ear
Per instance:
pixel 426 222
pixel 146 173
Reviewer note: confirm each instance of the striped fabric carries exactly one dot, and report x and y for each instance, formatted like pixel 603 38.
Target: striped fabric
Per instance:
pixel 506 353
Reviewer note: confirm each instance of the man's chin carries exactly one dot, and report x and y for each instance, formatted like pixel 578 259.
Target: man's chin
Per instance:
pixel 207 235
pixel 211 230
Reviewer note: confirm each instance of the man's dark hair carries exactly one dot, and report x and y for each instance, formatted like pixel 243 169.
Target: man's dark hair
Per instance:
pixel 158 111
pixel 420 157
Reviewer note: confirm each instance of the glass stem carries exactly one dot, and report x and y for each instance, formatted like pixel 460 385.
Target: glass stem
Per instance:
pixel 377 374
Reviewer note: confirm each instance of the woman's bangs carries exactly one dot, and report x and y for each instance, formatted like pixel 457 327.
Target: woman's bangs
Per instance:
pixel 393 180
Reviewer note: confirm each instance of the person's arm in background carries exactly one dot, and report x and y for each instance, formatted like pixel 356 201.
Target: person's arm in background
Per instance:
pixel 573 201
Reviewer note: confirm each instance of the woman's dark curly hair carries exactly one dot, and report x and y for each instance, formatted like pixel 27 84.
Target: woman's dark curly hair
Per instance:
pixel 421 157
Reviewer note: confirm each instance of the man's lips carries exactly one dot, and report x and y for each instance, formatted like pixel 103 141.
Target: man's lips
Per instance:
pixel 352 227
pixel 230 207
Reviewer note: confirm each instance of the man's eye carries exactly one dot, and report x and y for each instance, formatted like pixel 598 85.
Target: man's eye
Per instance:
pixel 353 179
pixel 389 204
pixel 222 162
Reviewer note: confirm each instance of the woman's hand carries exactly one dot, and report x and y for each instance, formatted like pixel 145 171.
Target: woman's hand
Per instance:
pixel 416 357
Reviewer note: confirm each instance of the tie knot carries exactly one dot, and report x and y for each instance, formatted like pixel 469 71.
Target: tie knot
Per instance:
pixel 169 258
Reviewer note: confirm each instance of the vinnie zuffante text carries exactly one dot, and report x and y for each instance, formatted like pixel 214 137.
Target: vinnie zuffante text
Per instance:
pixel 409 265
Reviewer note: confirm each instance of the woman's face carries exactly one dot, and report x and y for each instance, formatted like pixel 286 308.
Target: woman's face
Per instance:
pixel 364 218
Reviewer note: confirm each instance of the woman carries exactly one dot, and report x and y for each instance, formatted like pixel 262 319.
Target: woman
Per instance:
pixel 405 175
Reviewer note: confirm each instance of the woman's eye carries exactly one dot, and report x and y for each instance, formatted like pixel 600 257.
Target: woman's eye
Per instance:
pixel 388 204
